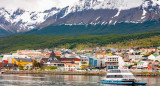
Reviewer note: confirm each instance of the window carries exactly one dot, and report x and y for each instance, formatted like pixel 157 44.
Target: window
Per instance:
pixel 114 76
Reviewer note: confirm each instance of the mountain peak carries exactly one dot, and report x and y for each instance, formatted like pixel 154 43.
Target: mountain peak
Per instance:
pixel 81 12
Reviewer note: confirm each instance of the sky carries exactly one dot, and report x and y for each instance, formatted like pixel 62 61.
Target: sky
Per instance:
pixel 35 5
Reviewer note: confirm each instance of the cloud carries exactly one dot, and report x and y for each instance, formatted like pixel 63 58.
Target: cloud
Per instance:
pixel 35 5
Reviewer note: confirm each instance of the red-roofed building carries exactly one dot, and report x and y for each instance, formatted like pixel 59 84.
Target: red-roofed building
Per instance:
pixel 57 54
pixel 5 61
pixel 70 67
pixel 71 63
pixel 0 64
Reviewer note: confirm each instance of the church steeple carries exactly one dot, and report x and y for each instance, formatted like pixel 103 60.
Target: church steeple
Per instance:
pixel 52 55
pixel 53 58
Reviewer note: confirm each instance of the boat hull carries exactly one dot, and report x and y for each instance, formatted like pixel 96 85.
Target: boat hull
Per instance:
pixel 116 82
pixel 122 82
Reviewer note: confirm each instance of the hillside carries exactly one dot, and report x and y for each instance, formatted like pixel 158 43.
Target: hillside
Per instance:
pixel 16 42
pixel 139 43
pixel 120 28
pixel 4 33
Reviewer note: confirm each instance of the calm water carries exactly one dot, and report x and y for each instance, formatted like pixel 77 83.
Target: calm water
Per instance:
pixel 62 80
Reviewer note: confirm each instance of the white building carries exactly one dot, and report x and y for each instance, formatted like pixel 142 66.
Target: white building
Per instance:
pixel 114 62
pixel 135 57
pixel 152 57
pixel 71 67
pixel 101 62
pixel 142 64
pixel 158 58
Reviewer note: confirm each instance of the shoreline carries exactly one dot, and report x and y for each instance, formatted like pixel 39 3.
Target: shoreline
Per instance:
pixel 78 73
pixel 146 73
pixel 56 72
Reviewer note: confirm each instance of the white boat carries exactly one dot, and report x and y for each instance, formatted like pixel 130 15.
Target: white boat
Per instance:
pixel 121 77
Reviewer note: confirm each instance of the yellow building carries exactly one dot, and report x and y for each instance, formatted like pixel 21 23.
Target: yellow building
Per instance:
pixel 110 54
pixel 22 61
pixel 84 63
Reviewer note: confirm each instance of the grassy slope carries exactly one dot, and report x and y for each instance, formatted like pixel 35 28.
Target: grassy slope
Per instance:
pixel 145 42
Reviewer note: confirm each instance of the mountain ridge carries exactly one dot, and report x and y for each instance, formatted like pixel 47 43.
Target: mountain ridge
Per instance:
pixel 83 12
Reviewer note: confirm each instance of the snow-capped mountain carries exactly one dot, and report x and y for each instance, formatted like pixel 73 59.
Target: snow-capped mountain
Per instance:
pixel 21 20
pixel 106 12
pixel 82 12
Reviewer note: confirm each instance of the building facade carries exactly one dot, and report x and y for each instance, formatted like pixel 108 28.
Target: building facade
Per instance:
pixel 114 62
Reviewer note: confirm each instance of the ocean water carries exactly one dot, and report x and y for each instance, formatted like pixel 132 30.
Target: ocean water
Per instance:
pixel 63 80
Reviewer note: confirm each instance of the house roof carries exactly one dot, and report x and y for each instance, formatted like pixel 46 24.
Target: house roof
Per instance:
pixel 69 59
pixel 127 65
pixel 44 58
pixel 7 65
pixel 140 62
pixel 24 59
pixel 155 55
pixel 70 64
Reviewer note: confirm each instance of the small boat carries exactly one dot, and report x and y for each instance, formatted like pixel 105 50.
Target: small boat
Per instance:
pixel 121 77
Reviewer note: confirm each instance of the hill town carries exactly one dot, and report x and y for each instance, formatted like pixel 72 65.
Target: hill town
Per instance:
pixel 97 59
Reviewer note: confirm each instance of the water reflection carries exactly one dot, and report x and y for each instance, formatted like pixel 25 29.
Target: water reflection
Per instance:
pixel 63 80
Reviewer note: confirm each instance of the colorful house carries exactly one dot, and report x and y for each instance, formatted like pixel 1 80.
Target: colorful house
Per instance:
pixel 22 61
pixel 93 63
pixel 152 57
pixel 9 58
pixel 0 64
pixel 84 62
pixel 142 65
pixel 148 50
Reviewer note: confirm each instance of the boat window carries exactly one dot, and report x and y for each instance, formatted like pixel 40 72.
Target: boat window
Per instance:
pixel 114 71
pixel 128 77
pixel 118 71
pixel 114 76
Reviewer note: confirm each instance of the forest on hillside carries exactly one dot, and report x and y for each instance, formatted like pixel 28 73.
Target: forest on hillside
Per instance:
pixel 16 42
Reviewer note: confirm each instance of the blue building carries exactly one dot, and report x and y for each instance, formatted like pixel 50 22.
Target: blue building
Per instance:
pixel 93 62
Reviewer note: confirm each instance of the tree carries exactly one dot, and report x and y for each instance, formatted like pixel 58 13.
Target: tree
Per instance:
pixel 37 64
pixel 21 67
pixel 135 63
pixel 156 61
